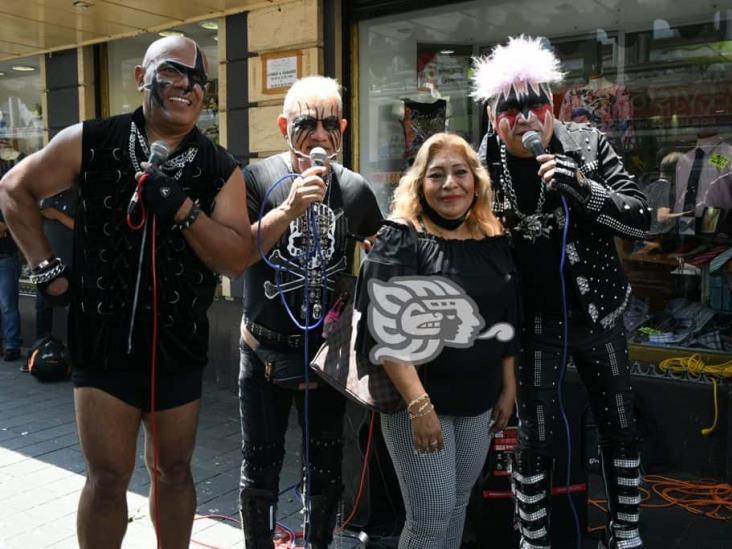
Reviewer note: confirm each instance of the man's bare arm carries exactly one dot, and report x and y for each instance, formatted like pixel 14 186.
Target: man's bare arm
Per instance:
pixel 53 169
pixel 224 241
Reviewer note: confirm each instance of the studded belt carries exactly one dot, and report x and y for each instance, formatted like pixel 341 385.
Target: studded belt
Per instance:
pixel 270 338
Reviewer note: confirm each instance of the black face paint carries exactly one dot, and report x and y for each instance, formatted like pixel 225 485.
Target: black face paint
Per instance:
pixel 304 125
pixel 172 73
pixel 156 88
pixel 514 104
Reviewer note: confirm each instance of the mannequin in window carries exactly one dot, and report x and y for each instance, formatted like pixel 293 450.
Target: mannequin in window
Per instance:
pixel 661 194
pixel 422 114
pixel 605 105
pixel 709 159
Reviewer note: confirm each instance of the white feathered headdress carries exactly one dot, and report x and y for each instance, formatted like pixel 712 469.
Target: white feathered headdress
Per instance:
pixel 523 62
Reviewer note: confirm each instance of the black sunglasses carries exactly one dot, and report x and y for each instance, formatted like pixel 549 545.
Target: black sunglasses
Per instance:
pixel 310 123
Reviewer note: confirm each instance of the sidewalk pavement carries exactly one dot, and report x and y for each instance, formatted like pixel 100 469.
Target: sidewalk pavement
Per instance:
pixel 42 470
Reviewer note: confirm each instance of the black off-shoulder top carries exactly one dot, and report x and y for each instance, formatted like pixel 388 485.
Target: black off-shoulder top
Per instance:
pixel 461 380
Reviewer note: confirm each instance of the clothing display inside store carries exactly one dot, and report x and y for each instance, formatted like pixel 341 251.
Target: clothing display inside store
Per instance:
pixel 421 116
pixel 605 105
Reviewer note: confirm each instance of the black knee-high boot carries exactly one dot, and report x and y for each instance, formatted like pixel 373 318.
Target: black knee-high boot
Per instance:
pixel 258 509
pixel 323 515
pixel 531 481
pixel 621 473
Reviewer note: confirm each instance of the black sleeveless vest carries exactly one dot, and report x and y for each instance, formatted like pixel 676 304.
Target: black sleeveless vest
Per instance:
pixel 105 330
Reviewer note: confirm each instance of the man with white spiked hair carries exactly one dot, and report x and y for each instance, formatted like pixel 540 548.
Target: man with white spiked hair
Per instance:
pixel 563 192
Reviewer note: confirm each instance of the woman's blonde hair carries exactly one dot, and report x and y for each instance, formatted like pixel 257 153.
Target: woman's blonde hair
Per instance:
pixel 406 201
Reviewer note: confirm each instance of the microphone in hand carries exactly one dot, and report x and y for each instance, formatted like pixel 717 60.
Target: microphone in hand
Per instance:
pixel 318 156
pixel 532 142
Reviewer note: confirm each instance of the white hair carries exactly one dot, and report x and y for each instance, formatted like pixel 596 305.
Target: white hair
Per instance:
pixel 523 62
pixel 317 87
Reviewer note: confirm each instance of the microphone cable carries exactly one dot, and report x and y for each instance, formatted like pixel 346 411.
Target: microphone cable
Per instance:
pixel 563 369
pixel 312 251
pixel 143 224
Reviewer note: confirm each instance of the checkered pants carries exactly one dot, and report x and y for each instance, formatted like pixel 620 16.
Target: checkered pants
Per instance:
pixel 436 486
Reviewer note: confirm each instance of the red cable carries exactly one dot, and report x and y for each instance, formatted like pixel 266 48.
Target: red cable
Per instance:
pixel 143 215
pixel 364 471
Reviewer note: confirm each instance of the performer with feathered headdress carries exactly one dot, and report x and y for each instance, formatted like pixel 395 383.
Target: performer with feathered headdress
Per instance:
pixel 564 194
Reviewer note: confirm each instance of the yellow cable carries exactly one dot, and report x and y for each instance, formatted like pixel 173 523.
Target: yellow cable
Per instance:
pixel 709 430
pixel 695 365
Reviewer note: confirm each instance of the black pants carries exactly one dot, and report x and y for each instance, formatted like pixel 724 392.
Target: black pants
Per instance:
pixel 601 358
pixel 265 408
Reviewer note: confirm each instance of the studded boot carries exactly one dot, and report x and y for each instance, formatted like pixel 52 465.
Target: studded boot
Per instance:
pixel 531 483
pixel 621 474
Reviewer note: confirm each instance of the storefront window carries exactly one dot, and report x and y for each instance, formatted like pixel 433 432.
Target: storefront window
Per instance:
pixel 21 119
pixel 125 54
pixel 657 79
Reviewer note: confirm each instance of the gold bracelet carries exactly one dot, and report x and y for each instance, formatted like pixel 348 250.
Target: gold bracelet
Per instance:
pixel 422 408
pixel 416 400
pixel 422 414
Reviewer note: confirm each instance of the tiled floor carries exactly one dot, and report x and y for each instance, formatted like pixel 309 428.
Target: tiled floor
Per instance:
pixel 42 473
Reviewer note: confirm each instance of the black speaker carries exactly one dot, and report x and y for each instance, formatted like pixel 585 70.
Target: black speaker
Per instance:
pixel 381 510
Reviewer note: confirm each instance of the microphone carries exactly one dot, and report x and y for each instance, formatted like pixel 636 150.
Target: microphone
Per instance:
pixel 532 141
pixel 318 156
pixel 159 153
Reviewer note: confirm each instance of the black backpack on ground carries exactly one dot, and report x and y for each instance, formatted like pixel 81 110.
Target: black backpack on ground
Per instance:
pixel 48 360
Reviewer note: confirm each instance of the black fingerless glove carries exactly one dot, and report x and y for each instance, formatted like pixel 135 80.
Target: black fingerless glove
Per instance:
pixel 569 180
pixel 162 195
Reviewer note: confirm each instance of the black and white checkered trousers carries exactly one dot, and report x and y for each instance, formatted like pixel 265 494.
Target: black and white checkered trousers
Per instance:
pixel 436 486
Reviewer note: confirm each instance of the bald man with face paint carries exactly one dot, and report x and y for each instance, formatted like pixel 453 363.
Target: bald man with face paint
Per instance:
pixel 198 222
pixel 569 269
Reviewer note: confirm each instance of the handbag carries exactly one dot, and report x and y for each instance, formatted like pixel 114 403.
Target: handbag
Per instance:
pixel 339 363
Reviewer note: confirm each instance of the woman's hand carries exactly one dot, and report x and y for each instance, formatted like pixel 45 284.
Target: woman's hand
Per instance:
pixel 503 409
pixel 427 433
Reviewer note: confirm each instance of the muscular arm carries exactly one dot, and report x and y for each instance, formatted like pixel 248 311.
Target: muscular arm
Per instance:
pixel 49 171
pixel 223 241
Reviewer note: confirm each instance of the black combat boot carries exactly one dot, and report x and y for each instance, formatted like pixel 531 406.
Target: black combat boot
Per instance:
pixel 258 510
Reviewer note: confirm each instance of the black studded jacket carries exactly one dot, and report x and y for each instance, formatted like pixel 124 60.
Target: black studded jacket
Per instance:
pixel 616 208
pixel 107 254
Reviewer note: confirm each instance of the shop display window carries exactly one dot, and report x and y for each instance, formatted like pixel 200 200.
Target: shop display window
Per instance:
pixel 657 81
pixel 21 117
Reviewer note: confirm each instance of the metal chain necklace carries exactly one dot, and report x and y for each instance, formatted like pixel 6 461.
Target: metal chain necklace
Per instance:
pixel 179 160
pixel 530 226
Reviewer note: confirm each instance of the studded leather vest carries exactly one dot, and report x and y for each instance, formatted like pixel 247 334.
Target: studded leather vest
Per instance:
pixel 110 327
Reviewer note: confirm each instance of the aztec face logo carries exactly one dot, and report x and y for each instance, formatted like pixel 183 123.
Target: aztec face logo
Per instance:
pixel 413 318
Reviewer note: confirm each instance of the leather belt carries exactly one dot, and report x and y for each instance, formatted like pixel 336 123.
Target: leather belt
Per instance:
pixel 269 338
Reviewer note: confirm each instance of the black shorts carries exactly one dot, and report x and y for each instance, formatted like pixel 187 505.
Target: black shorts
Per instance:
pixel 133 387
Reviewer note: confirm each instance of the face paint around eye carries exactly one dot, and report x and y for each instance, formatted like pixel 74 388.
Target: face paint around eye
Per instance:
pixel 305 123
pixel 175 73
pixel 517 106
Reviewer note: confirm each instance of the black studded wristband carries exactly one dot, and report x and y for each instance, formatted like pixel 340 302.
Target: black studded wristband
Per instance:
pixel 189 219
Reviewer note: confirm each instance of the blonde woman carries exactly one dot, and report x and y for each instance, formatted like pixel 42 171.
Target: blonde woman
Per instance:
pixel 440 308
